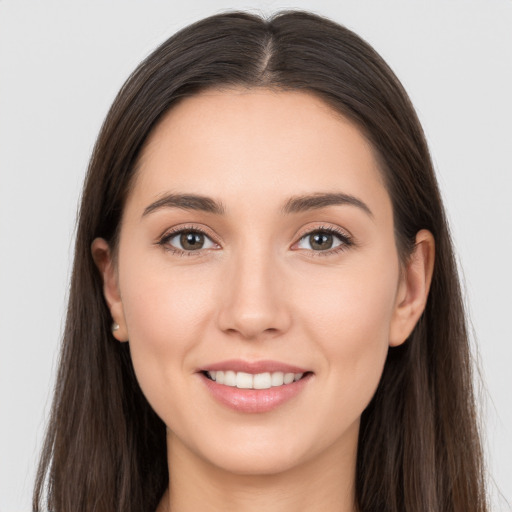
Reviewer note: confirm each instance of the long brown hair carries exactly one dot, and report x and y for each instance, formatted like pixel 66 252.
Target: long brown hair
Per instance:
pixel 419 448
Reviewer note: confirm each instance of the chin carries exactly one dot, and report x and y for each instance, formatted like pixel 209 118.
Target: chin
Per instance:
pixel 259 452
pixel 256 464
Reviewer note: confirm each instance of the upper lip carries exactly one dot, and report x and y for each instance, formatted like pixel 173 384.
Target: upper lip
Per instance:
pixel 254 367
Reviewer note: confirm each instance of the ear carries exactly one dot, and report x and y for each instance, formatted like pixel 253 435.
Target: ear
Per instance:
pixel 413 288
pixel 102 256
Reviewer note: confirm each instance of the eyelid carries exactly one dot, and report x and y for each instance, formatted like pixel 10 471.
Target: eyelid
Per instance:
pixel 188 227
pixel 343 233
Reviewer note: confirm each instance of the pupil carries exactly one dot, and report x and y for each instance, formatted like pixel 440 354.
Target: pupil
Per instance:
pixel 318 241
pixel 191 240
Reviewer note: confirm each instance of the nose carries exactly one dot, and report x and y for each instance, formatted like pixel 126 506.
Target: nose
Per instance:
pixel 254 302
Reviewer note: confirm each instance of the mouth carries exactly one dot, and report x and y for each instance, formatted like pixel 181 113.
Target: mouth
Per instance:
pixel 244 380
pixel 254 387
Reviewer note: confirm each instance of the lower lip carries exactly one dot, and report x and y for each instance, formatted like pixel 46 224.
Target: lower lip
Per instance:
pixel 255 400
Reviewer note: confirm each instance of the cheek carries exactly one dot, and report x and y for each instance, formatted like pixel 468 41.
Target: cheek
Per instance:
pixel 165 314
pixel 349 319
pixel 163 301
pixel 355 304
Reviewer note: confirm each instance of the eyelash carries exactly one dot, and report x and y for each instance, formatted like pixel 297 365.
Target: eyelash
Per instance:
pixel 344 238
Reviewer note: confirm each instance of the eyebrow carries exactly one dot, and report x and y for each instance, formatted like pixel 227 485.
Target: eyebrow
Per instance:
pixel 307 202
pixel 295 204
pixel 187 202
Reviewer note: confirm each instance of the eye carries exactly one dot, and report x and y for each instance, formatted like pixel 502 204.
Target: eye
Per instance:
pixel 325 240
pixel 190 241
pixel 187 241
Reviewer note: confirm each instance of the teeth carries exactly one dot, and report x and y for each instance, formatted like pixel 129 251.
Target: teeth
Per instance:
pixel 288 378
pixel 277 379
pixel 262 381
pixel 244 380
pixel 230 378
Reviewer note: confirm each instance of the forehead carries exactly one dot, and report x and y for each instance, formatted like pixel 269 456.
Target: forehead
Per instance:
pixel 245 144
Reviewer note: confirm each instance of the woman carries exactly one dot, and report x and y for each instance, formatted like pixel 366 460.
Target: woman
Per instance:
pixel 264 310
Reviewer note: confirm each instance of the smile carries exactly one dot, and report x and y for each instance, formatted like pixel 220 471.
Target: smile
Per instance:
pixel 254 387
pixel 243 380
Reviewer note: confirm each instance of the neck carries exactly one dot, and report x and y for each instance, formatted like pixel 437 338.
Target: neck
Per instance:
pixel 326 482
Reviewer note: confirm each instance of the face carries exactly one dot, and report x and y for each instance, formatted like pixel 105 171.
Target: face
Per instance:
pixel 282 263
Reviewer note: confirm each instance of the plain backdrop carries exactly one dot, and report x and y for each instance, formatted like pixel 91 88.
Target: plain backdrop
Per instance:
pixel 61 64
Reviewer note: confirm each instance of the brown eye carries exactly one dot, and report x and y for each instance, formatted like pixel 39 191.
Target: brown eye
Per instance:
pixel 191 240
pixel 321 240
pixel 187 241
pixel 325 240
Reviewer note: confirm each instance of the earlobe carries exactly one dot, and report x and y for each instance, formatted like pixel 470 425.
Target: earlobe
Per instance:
pixel 413 288
pixel 102 256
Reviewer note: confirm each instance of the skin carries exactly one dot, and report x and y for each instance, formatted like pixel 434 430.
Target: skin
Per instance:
pixel 259 290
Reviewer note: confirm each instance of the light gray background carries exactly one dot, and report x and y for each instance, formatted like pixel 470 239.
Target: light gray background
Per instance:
pixel 61 63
